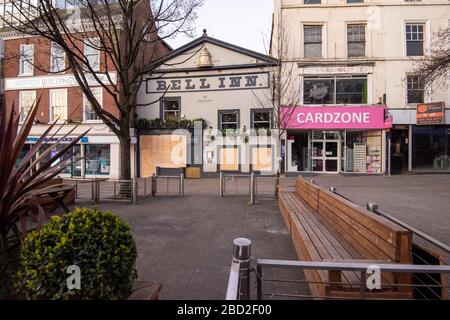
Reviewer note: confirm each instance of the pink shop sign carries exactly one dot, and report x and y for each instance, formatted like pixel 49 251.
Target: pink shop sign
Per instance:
pixel 364 117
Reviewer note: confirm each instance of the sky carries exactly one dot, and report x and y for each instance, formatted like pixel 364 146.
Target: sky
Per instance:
pixel 245 23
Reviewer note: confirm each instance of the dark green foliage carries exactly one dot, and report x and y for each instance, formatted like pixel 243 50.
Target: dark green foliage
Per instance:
pixel 99 243
pixel 169 124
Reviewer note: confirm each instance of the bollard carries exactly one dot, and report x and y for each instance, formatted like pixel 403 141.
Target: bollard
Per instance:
pixel 252 188
pixel 182 184
pixel 242 248
pixel 221 185
pixel 154 185
pixel 372 207
pixel 135 194
pixel 333 189
pixel 312 181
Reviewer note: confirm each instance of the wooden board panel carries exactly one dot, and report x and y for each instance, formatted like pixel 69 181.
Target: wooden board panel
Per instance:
pixel 166 151
pixel 229 159
pixel 262 159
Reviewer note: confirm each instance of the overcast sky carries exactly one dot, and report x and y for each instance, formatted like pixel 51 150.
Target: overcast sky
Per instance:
pixel 240 22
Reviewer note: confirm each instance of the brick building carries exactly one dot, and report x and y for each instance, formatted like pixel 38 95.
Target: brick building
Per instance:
pixel 34 68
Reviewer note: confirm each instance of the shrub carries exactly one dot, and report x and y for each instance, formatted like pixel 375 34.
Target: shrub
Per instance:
pixel 99 243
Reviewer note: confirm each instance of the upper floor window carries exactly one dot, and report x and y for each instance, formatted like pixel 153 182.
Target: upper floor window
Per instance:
pixel 415 89
pixel 58 104
pixel 355 1
pixel 261 119
pixel 335 90
pixel 89 113
pixel 92 53
pixel 171 109
pixel 26 59
pixel 356 40
pixel 57 58
pixel 312 1
pixel 312 41
pixel 26 102
pixel 414 39
pixel 228 120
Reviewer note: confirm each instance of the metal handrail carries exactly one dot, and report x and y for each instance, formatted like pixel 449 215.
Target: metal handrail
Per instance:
pixel 353 266
pixel 374 208
pixel 233 281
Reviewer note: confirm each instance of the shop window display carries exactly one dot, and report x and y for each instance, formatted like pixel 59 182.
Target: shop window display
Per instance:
pixel 98 162
pixel 431 148
pixel 364 152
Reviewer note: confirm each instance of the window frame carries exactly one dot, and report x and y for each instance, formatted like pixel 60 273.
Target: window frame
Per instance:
pixel 334 79
pixel 50 93
pixel 53 51
pixel 86 102
pixel 411 75
pixel 305 26
pixel 23 60
pixel 22 114
pixel 353 41
pixel 220 113
pixel 252 117
pixel 417 24
pixel 88 45
pixel 162 109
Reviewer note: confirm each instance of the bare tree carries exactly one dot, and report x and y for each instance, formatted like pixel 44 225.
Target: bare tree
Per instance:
pixel 283 96
pixel 127 33
pixel 436 65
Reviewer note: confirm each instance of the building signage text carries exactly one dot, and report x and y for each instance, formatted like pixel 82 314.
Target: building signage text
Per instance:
pixel 56 140
pixel 431 113
pixel 370 117
pixel 208 83
pixel 60 81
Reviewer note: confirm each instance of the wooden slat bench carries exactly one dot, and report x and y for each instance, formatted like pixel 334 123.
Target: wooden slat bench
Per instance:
pixel 326 227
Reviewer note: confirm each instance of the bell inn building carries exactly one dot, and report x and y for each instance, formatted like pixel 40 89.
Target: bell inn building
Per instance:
pixel 221 86
pixel 362 108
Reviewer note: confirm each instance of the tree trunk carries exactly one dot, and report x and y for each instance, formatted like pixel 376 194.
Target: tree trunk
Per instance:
pixel 125 158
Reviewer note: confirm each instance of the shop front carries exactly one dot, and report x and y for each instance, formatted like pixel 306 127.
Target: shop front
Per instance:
pixel 336 139
pixel 100 155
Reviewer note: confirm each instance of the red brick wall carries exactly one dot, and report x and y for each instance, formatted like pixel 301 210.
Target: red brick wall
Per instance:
pixel 42 59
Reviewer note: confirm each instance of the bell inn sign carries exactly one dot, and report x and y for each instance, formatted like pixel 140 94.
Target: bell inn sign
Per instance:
pixel 244 81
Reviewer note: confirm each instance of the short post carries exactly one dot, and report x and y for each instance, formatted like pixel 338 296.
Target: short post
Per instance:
pixel 312 181
pixel 252 188
pixel 362 289
pixel 221 184
pixel 135 194
pixel 333 189
pixel 373 207
pixel 97 190
pixel 182 184
pixel 242 248
pixel 259 282
pixel 154 185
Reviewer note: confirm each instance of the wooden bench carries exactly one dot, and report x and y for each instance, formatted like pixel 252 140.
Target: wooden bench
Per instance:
pixel 326 227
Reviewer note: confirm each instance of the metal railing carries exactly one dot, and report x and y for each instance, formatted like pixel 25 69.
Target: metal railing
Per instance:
pixel 252 185
pixel 169 185
pixel 133 190
pixel 239 286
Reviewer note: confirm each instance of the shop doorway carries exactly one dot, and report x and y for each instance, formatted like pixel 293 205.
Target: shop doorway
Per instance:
pixel 315 151
pixel 399 150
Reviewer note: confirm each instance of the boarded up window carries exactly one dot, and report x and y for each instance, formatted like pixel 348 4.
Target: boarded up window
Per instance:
pixel 165 151
pixel 262 159
pixel 229 159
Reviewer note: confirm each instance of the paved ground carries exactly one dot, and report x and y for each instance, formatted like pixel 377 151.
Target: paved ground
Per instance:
pixel 186 243
pixel 422 201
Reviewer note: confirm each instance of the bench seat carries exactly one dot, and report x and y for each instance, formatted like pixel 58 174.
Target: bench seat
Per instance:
pixel 315 239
